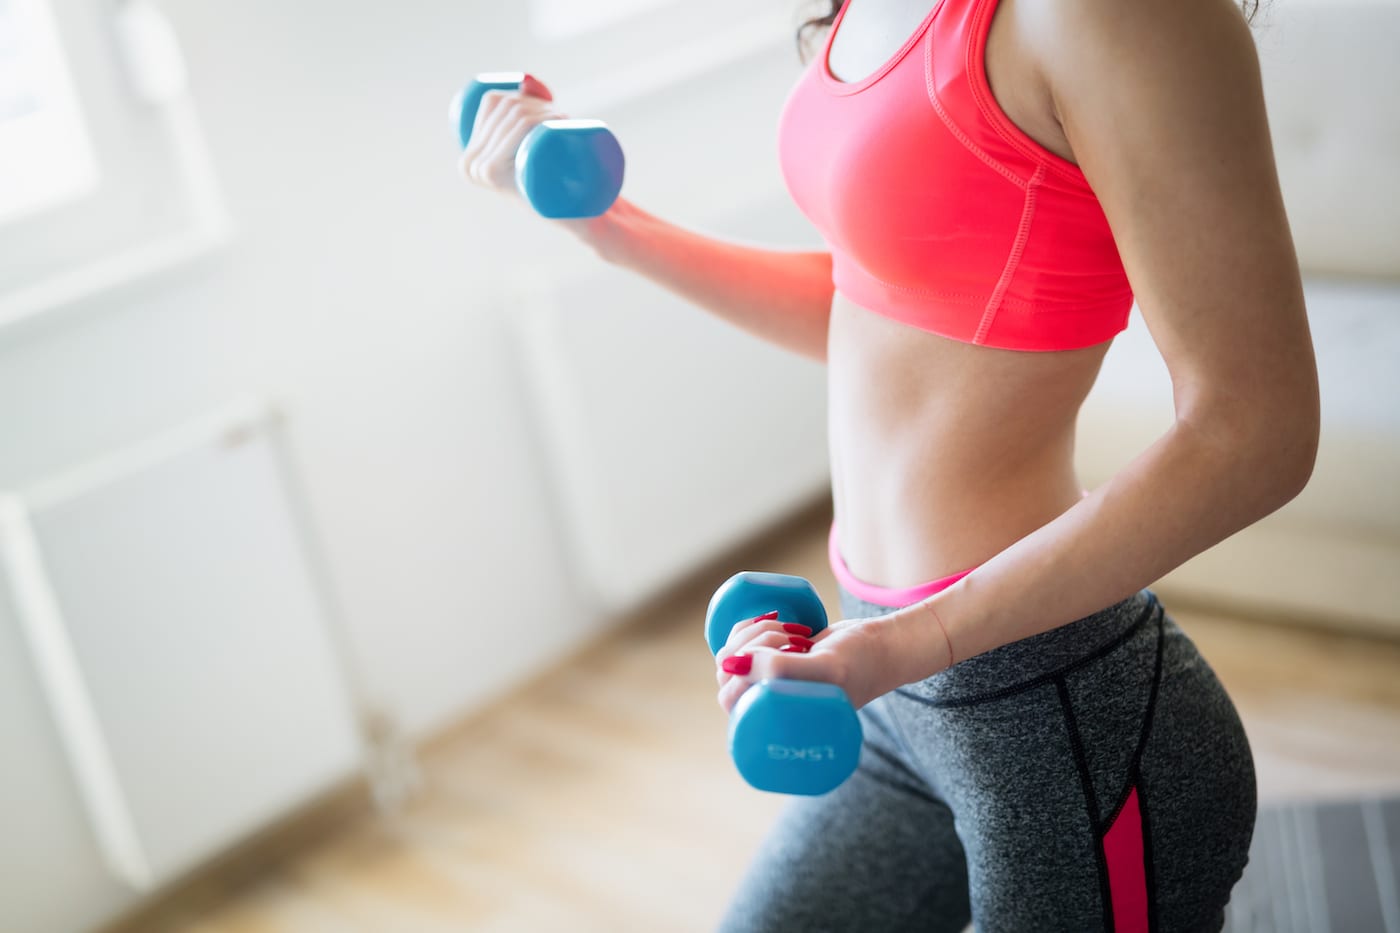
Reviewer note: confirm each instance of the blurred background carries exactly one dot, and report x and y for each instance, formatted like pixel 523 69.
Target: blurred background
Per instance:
pixel 356 526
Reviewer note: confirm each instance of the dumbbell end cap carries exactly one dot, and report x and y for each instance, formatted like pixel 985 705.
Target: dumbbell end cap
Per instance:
pixel 795 737
pixel 461 113
pixel 570 168
pixel 751 593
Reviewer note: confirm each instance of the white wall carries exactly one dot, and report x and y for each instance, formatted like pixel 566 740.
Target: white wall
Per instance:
pixel 368 289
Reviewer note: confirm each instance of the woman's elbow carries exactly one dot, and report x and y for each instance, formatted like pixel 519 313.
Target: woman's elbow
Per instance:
pixel 1270 446
pixel 1297 457
pixel 1286 442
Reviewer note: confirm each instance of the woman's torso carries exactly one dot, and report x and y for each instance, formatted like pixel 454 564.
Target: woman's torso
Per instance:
pixel 943 453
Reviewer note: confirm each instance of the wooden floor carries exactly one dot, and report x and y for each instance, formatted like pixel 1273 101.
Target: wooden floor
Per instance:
pixel 600 797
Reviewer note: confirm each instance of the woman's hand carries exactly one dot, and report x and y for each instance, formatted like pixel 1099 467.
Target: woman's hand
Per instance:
pixel 853 655
pixel 503 120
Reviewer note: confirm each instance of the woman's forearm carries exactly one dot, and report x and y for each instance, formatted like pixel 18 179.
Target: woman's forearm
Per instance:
pixel 782 296
pixel 1181 496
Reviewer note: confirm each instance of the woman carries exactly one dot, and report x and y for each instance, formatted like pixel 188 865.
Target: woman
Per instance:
pixel 997 180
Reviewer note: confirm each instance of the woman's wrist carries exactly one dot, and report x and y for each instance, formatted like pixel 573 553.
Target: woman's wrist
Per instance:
pixel 606 233
pixel 917 641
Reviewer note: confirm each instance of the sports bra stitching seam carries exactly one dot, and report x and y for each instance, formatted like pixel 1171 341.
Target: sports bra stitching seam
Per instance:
pixel 1013 261
pixel 990 113
pixel 953 128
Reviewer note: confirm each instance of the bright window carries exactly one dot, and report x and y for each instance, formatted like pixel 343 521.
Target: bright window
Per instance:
pixel 45 156
pixel 88 204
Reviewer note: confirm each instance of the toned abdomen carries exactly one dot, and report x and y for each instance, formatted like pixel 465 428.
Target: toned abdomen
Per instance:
pixel 944 453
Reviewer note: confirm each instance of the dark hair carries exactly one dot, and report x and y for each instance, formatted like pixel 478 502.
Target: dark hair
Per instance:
pixel 815 24
pixel 818 23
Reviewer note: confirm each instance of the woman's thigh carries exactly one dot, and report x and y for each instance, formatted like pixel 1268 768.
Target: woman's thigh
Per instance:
pixel 877 853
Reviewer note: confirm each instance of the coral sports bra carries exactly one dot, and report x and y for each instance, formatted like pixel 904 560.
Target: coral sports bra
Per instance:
pixel 938 210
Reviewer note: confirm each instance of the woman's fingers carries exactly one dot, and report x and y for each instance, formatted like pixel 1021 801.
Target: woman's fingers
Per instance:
pixel 503 120
pixel 731 663
pixel 488 111
pixel 755 648
pixel 749 629
pixel 763 631
pixel 780 655
pixel 775 664
pixel 730 692
pixel 534 87
pixel 486 136
pixel 498 156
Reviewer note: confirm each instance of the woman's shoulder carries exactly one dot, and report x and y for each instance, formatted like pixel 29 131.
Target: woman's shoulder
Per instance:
pixel 1074 41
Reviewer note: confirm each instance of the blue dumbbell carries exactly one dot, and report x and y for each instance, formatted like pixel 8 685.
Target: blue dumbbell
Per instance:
pixel 564 168
pixel 788 736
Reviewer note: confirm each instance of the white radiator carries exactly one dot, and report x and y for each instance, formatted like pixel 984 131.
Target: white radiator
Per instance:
pixel 181 630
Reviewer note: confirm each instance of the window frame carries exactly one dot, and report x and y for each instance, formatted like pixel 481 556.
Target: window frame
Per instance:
pixel 157 203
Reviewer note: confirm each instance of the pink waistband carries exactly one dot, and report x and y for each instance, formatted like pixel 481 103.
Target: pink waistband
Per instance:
pixel 881 595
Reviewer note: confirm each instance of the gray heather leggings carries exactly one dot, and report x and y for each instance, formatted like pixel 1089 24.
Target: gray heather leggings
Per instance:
pixel 1092 777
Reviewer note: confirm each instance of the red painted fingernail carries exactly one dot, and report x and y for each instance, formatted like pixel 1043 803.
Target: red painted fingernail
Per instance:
pixel 739 664
pixel 796 649
pixel 792 628
pixel 767 616
pixel 535 88
pixel 803 643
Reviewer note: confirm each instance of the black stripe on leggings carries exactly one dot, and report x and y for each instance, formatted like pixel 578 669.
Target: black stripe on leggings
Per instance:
pixel 1091 803
pixel 1135 779
pixel 1135 763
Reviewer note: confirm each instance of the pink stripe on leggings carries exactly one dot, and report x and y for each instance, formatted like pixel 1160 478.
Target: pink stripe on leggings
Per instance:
pixel 1127 868
pixel 881 595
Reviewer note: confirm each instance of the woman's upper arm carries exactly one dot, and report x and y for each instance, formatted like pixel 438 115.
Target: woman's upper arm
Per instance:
pixel 1163 106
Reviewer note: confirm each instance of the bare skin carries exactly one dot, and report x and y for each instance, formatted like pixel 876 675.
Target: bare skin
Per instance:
pixel 943 453
pixel 946 455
